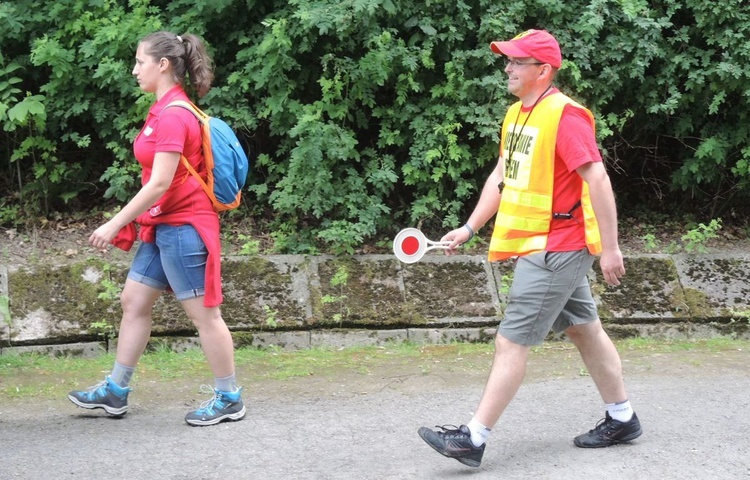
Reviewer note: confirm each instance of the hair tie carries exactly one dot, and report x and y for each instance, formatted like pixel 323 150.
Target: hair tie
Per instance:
pixel 179 38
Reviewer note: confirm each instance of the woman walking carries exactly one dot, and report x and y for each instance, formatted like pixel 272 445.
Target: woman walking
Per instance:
pixel 180 248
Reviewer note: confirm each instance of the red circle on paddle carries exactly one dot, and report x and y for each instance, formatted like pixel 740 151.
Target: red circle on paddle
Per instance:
pixel 410 245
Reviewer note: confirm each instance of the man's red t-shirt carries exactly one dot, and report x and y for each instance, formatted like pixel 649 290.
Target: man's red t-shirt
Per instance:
pixel 576 146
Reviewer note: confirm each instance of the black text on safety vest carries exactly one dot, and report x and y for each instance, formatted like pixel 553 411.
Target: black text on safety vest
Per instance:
pixel 520 144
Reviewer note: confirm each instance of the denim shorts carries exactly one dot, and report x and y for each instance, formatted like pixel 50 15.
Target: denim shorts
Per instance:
pixel 177 259
pixel 550 291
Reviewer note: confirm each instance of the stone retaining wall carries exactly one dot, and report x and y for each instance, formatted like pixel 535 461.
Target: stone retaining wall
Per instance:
pixel 297 302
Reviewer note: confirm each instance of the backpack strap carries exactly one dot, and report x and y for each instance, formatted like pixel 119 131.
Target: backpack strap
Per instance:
pixel 202 118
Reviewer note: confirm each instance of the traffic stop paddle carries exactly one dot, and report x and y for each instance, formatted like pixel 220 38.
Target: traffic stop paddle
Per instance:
pixel 410 245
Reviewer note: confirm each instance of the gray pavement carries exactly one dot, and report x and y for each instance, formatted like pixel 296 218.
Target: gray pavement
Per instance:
pixel 694 411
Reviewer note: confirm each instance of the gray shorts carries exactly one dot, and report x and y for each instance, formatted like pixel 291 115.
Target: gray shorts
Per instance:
pixel 550 291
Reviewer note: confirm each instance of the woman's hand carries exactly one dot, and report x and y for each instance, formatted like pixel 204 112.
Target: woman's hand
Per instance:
pixel 102 236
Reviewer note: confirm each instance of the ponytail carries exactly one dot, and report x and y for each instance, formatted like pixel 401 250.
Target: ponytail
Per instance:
pixel 186 54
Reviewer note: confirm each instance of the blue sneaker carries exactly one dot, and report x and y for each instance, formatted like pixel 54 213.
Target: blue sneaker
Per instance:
pixel 222 406
pixel 107 395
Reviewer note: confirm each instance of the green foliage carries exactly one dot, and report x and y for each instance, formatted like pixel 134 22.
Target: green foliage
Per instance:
pixel 103 329
pixel 111 289
pixel 676 69
pixel 339 280
pixel 650 243
pixel 249 246
pixel 110 293
pixel 504 289
pixel 364 116
pixel 72 74
pixel 696 239
pixel 272 315
pixel 5 309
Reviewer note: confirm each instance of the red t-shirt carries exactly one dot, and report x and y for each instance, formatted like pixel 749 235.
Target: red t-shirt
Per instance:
pixel 173 129
pixel 176 129
pixel 576 146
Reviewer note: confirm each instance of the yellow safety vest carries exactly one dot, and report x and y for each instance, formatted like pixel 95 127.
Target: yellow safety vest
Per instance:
pixel 524 217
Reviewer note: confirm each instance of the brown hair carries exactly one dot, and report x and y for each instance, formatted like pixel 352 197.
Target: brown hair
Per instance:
pixel 186 54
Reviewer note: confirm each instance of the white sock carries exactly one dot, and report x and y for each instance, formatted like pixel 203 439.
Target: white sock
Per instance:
pixel 226 384
pixel 121 374
pixel 479 433
pixel 621 411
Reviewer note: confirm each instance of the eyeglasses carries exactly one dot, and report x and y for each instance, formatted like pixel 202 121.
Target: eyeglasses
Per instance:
pixel 512 62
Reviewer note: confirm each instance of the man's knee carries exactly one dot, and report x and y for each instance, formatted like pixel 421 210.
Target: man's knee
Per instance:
pixel 584 331
pixel 504 344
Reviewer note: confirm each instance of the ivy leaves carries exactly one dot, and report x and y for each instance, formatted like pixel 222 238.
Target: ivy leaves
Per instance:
pixel 364 116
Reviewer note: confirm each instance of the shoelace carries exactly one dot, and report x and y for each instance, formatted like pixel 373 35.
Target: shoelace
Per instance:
pixel 98 389
pixel 450 430
pixel 605 426
pixel 208 405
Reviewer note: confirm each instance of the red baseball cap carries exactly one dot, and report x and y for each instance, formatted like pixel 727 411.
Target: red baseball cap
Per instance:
pixel 538 44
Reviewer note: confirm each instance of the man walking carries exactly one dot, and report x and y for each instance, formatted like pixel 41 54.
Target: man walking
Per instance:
pixel 555 210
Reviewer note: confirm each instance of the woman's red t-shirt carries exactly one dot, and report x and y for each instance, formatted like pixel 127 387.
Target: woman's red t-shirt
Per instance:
pixel 172 129
pixel 176 129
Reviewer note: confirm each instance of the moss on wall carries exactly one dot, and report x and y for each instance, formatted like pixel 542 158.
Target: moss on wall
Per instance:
pixel 80 294
pixel 267 295
pixel 260 294
pixel 356 292
pixel 650 290
pixel 452 289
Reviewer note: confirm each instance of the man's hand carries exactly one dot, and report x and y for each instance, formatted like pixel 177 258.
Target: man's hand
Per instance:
pixel 612 266
pixel 457 237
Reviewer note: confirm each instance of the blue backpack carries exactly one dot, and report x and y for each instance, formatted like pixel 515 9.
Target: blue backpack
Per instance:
pixel 226 162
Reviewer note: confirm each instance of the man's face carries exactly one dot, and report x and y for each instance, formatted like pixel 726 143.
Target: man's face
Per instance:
pixel 522 74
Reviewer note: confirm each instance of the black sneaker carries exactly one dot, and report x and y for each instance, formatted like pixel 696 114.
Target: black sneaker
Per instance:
pixel 454 443
pixel 610 432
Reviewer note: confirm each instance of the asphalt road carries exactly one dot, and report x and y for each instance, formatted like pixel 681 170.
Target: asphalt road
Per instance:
pixel 694 412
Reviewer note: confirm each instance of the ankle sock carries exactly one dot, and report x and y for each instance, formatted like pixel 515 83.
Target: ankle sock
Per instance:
pixel 479 433
pixel 226 384
pixel 621 411
pixel 121 374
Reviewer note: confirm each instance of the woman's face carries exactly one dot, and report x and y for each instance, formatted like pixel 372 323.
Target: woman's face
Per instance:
pixel 147 69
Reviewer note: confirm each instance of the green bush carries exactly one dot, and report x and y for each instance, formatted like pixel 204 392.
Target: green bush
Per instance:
pixel 364 116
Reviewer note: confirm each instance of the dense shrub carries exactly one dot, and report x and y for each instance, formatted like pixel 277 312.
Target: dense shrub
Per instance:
pixel 363 116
